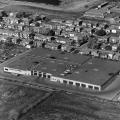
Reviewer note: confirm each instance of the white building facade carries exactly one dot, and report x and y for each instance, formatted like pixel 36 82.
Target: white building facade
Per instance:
pixel 53 78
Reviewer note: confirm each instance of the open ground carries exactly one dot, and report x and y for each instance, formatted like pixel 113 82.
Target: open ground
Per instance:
pixel 70 6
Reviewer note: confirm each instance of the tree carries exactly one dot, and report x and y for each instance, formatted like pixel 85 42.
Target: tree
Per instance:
pixel 31 35
pixel 92 40
pixel 4 14
pixel 100 32
pixel 37 24
pixel 18 41
pixel 37 18
pixel 51 33
pixel 108 47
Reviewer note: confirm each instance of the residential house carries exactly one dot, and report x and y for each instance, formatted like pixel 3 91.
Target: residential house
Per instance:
pixel 57 21
pixel 114 39
pixel 110 56
pixel 116 56
pixel 103 39
pixel 67 48
pixel 3 38
pixel 114 47
pixel 69 23
pixel 62 40
pixel 25 21
pixel 41 37
pixel 38 43
pixel 58 32
pixel 20 27
pixel 25 34
pixel 53 45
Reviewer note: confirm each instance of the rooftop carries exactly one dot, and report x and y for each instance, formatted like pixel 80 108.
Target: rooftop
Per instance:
pixel 82 68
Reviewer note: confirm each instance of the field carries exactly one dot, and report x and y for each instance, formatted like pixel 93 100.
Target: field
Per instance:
pixel 62 106
pixel 65 5
pixel 58 106
pixel 16 98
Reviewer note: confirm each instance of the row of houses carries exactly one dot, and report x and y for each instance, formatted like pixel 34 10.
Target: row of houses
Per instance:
pixel 64 32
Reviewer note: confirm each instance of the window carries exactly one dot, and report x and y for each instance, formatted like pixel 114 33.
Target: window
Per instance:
pixel 6 69
pixel 44 75
pixel 83 85
pixel 32 73
pixel 96 88
pixel 64 81
pixel 48 76
pixel 77 84
pixel 89 86
pixel 35 73
pixel 71 83
pixel 40 75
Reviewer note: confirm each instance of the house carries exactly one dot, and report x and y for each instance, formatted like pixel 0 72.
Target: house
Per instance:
pixel 57 21
pixel 41 37
pixel 58 32
pixel 59 27
pixel 36 29
pixel 85 51
pixel 25 21
pixel 47 25
pixel 95 53
pixel 20 27
pixel 24 34
pixel 110 56
pixel 3 38
pixel 69 23
pixel 32 24
pixel 9 33
pixel 24 42
pixel 103 39
pixel 38 43
pixel 67 48
pixel 11 20
pixel 43 30
pixel 114 47
pixel 62 40
pixel 53 45
pixel 96 13
pixel 70 29
pixel 114 39
pixel 116 56
pixel 103 55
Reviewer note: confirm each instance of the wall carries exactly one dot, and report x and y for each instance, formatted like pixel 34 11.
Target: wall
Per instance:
pixel 17 71
pixel 82 84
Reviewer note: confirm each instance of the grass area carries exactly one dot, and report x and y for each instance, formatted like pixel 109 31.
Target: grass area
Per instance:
pixel 50 13
pixel 65 5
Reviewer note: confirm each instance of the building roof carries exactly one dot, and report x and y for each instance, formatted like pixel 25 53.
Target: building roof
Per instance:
pixel 83 68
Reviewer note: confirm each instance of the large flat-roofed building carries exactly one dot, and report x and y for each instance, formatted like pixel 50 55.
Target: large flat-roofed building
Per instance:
pixel 96 13
pixel 65 68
